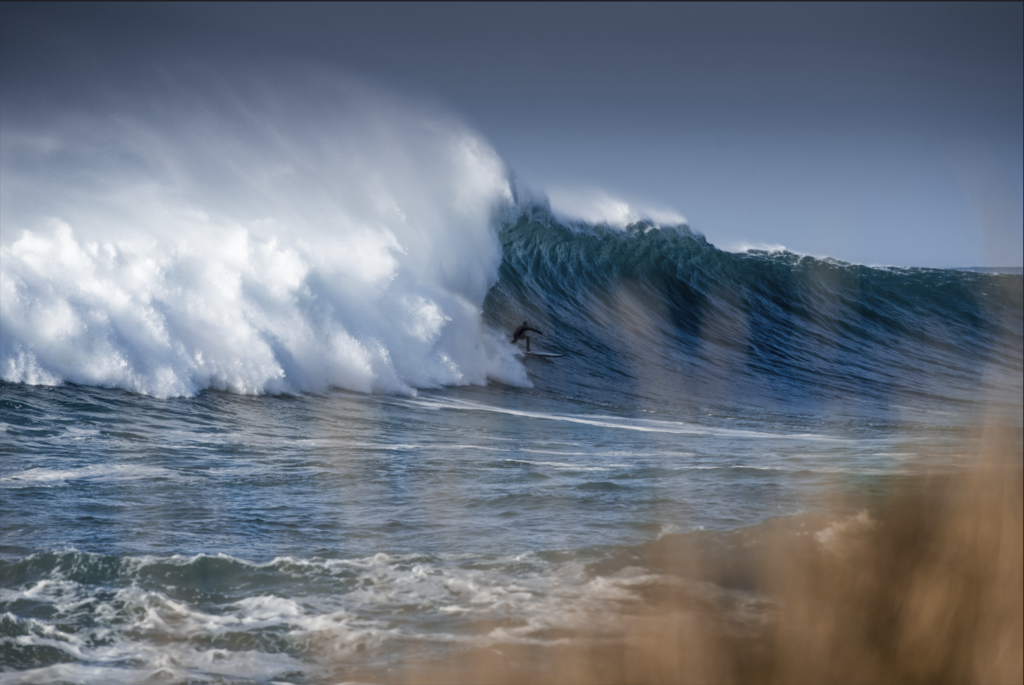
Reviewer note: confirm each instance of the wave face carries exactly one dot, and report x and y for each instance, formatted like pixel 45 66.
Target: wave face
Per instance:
pixel 230 236
pixel 673 319
pixel 316 234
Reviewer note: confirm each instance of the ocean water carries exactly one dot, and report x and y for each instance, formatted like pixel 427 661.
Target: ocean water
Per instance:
pixel 262 422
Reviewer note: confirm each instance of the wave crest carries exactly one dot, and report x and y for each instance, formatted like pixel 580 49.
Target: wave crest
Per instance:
pixel 253 243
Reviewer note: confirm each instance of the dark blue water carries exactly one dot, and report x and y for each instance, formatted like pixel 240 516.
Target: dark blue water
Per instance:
pixel 223 537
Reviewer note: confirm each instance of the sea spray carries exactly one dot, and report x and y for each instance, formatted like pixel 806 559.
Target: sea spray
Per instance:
pixel 224 234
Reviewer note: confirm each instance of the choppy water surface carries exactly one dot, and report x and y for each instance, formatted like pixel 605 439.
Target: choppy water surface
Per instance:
pixel 261 420
pixel 223 537
pixel 447 472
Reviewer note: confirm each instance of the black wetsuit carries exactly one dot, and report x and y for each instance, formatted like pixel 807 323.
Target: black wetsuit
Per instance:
pixel 521 333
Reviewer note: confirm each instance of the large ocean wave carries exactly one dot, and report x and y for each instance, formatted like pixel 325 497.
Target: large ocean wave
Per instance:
pixel 669 314
pixel 263 240
pixel 232 237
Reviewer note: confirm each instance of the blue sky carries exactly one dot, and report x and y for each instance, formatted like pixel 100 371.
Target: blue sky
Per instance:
pixel 875 133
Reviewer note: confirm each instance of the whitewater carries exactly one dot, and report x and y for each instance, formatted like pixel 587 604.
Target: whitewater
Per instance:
pixel 297 247
pixel 262 420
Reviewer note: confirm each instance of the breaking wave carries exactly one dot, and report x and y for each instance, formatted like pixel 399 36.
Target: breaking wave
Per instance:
pixel 319 234
pixel 258 241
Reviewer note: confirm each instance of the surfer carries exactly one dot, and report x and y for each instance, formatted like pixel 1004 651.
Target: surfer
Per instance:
pixel 521 333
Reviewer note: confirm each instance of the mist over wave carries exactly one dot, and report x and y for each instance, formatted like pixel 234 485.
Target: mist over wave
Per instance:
pixel 227 234
pixel 303 231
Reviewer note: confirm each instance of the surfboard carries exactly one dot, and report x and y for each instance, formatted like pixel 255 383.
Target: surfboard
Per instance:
pixel 549 355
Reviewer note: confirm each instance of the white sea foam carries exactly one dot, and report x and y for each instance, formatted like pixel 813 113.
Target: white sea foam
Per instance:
pixel 559 465
pixel 253 238
pixel 599 207
pixel 740 246
pixel 96 472
pixel 363 605
pixel 837 536
pixel 641 425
